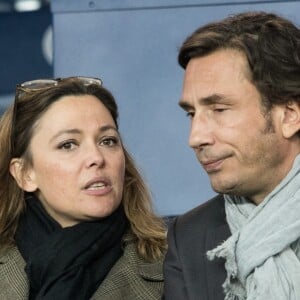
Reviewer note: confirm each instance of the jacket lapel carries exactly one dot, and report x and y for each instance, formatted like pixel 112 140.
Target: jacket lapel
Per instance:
pixel 13 280
pixel 151 271
pixel 131 278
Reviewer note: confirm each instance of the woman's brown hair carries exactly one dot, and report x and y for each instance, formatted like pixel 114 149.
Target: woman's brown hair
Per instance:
pixel 16 129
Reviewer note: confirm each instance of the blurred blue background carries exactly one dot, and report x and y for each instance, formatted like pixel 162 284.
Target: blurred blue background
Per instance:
pixel 132 45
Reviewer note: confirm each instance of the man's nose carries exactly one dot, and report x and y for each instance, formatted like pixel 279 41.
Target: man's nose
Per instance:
pixel 200 133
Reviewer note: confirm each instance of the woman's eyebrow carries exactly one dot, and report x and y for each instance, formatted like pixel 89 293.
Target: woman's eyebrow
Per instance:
pixel 102 129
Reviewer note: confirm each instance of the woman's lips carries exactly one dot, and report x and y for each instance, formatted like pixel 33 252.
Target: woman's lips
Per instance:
pixel 98 187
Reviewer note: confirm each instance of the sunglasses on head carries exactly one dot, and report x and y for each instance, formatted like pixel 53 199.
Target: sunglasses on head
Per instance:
pixel 40 84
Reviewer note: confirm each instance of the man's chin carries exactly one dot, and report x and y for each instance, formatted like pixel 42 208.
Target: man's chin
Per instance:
pixel 223 188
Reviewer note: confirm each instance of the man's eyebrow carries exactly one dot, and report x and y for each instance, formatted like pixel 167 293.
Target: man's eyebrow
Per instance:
pixel 209 100
pixel 184 105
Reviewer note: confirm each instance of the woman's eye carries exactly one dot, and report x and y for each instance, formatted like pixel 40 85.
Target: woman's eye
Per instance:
pixel 109 141
pixel 70 145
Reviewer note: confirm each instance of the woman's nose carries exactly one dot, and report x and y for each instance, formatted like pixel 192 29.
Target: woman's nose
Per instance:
pixel 95 156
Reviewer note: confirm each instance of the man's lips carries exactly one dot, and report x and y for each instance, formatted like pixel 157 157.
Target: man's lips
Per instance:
pixel 212 165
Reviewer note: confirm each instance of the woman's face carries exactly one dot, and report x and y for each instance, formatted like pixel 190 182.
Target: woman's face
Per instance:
pixel 78 161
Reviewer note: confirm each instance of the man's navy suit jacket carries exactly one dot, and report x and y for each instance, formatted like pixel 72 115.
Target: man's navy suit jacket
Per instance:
pixel 189 275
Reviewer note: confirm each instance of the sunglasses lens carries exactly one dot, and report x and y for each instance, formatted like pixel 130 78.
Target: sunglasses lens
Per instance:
pixel 90 80
pixel 45 83
pixel 38 84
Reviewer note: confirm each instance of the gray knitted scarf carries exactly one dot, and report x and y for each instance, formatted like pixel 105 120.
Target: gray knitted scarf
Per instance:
pixel 262 256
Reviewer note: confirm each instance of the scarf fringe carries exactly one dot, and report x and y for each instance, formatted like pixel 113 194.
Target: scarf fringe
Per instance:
pixel 232 287
pixel 226 251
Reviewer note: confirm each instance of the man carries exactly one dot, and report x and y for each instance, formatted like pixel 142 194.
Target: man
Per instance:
pixel 242 93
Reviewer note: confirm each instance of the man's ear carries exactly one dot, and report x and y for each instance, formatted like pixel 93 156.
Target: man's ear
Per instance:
pixel 24 178
pixel 291 119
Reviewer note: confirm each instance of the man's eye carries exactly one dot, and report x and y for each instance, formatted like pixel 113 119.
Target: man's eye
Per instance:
pixel 190 114
pixel 219 109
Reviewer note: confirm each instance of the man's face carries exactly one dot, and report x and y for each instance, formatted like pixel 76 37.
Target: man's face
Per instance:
pixel 240 147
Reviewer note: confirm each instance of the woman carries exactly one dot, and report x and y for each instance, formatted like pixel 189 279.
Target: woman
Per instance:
pixel 75 215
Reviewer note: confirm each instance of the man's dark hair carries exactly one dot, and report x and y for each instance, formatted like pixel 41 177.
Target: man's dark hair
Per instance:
pixel 270 43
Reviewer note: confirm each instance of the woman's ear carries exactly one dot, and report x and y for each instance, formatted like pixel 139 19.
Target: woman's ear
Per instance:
pixel 291 119
pixel 24 178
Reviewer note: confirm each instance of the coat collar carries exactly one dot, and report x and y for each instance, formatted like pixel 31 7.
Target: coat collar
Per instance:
pixel 14 283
